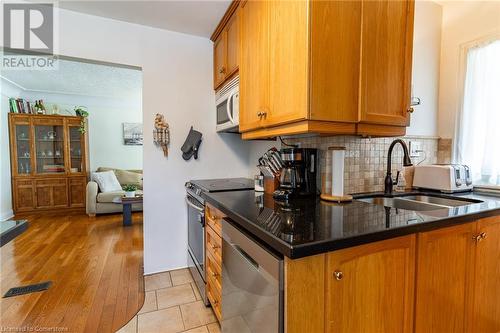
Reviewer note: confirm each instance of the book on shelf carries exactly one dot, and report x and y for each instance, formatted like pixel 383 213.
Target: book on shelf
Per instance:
pixel 19 105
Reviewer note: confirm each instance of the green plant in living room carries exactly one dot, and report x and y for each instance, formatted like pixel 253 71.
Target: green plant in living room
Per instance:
pixel 129 190
pixel 81 111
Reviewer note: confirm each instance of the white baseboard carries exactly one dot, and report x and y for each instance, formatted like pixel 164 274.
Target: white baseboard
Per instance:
pixel 6 215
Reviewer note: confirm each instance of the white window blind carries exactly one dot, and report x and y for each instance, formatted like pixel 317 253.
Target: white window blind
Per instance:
pixel 477 136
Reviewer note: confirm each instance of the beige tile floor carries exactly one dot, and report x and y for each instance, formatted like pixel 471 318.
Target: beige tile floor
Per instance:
pixel 172 304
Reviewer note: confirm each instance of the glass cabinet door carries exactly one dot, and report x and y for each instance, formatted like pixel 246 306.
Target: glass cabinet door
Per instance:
pixel 49 148
pixel 75 149
pixel 23 149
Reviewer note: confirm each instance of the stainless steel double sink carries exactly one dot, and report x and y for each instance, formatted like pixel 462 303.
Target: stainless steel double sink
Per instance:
pixel 419 202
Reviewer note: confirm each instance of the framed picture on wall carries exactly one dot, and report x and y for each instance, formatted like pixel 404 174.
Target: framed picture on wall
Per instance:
pixel 132 134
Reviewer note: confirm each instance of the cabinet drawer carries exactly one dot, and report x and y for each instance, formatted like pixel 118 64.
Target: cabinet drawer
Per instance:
pixel 213 218
pixel 214 273
pixel 214 297
pixel 213 245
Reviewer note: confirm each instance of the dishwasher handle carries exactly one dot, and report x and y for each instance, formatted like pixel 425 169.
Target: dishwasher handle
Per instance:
pixel 252 252
pixel 245 255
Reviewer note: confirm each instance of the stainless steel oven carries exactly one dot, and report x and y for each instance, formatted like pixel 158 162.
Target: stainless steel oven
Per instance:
pixel 195 203
pixel 196 241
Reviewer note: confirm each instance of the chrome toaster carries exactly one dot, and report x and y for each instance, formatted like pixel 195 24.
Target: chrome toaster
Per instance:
pixel 447 178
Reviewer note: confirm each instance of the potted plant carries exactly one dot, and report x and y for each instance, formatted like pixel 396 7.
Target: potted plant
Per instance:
pixel 129 190
pixel 81 111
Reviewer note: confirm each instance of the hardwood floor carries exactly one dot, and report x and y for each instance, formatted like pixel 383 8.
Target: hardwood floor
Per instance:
pixel 96 267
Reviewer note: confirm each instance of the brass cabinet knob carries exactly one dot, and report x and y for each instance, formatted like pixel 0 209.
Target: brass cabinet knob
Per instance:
pixel 214 217
pixel 338 275
pixel 259 114
pixel 479 237
pixel 410 110
pixel 222 70
pixel 214 274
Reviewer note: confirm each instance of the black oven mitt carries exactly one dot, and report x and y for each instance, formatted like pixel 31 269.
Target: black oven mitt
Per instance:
pixel 191 145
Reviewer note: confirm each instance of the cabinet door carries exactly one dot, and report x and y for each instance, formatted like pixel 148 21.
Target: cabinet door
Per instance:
pixel 76 191
pixel 76 149
pixel 49 149
pixel 24 195
pixel 254 64
pixel 387 43
pixel 21 156
pixel 220 68
pixel 233 40
pixel 444 276
pixel 370 287
pixel 486 313
pixel 288 62
pixel 51 193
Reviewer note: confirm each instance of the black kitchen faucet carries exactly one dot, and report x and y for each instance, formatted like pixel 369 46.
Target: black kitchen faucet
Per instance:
pixel 406 162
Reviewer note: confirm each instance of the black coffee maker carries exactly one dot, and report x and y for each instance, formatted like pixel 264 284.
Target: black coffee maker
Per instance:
pixel 298 176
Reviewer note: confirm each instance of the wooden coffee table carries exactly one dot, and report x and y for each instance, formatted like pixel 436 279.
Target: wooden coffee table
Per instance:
pixel 127 207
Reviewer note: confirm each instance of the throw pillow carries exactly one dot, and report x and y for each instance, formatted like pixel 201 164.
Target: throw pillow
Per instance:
pixel 106 181
pixel 126 177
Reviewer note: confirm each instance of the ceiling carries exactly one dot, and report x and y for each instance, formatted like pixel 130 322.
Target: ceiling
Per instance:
pixel 191 17
pixel 80 78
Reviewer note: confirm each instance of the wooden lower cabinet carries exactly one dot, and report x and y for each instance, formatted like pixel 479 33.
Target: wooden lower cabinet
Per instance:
pixel 32 194
pixel 486 309
pixel 24 195
pixel 77 191
pixel 444 280
pixel 213 258
pixel 444 276
pixel 51 193
pixel 458 279
pixel 369 288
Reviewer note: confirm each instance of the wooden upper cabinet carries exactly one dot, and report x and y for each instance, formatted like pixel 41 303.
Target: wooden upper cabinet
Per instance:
pixel 220 67
pixel 330 67
pixel 369 288
pixel 445 271
pixel 226 38
pixel 288 62
pixel 233 43
pixel 387 45
pixel 335 60
pixel 254 64
pixel 486 309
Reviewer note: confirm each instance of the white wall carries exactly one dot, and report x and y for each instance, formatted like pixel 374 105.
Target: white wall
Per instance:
pixel 177 81
pixel 105 129
pixel 425 74
pixel 7 90
pixel 463 22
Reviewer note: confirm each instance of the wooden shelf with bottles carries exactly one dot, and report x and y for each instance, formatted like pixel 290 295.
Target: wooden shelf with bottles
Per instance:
pixel 49 162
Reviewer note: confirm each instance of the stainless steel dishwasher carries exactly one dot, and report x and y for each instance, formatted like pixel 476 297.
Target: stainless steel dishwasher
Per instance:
pixel 252 285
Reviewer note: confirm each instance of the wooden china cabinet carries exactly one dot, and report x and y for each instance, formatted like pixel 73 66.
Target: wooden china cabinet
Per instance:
pixel 49 162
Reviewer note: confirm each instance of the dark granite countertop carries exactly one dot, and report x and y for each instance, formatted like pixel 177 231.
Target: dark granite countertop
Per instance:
pixel 310 226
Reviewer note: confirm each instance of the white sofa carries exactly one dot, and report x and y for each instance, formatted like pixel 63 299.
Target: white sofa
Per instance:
pixel 102 203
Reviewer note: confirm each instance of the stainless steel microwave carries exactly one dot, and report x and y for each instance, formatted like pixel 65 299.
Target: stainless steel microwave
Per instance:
pixel 227 101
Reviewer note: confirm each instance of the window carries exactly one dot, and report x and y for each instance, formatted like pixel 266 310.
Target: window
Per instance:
pixel 477 138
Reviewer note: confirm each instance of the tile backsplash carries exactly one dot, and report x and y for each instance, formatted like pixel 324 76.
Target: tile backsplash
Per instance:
pixel 366 158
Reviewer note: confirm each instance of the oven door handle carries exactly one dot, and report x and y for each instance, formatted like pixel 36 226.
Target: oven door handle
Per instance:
pixel 189 203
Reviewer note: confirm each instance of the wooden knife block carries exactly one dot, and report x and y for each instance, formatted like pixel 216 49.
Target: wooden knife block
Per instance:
pixel 271 184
